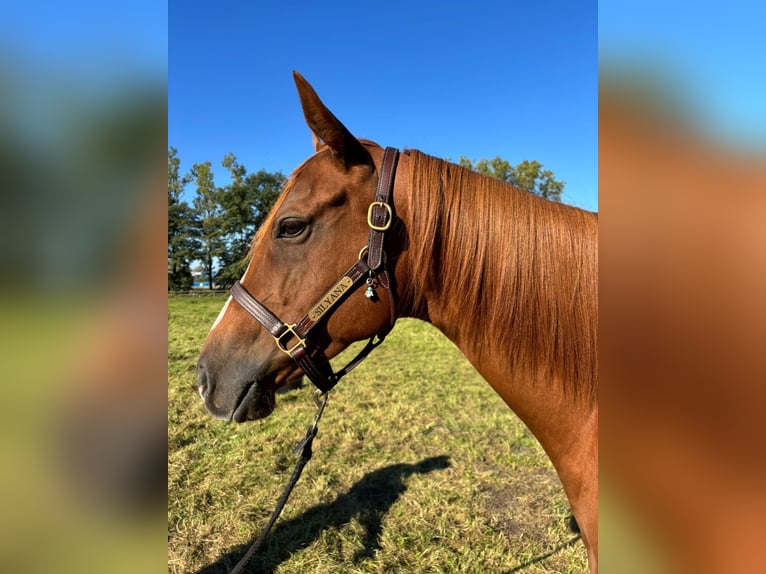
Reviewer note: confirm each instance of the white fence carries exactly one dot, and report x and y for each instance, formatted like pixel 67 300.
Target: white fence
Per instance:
pixel 199 293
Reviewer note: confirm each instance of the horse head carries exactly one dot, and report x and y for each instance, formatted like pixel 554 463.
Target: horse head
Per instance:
pixel 318 227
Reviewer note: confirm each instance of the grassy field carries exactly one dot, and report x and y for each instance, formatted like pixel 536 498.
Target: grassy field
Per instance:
pixel 418 467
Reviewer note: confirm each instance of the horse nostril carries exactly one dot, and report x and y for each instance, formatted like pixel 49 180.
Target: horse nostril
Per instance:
pixel 203 381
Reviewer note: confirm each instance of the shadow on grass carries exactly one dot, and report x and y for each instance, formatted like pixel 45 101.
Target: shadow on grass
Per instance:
pixel 369 500
pixel 545 556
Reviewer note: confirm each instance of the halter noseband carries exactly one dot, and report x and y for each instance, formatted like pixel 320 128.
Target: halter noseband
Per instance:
pixel 292 338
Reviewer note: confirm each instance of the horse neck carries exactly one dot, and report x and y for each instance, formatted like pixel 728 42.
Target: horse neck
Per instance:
pixel 506 276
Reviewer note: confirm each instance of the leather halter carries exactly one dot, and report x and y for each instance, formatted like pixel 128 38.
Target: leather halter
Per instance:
pixel 292 338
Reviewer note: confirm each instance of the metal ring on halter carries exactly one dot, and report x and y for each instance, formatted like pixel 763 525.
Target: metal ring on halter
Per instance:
pixel 363 251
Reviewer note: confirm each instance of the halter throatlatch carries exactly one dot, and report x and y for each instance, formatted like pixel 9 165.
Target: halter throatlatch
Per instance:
pixel 370 269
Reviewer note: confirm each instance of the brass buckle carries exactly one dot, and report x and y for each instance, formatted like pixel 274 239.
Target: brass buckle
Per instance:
pixel 389 212
pixel 290 330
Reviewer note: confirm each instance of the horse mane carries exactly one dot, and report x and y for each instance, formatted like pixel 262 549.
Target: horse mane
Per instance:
pixel 512 272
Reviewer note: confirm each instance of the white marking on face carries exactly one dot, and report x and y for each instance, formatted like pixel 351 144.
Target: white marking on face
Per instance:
pixel 221 314
pixel 245 275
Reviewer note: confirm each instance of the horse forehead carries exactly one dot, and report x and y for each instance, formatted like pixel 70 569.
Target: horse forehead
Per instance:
pixel 321 185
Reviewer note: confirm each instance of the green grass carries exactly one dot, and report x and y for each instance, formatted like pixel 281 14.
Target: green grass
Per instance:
pixel 418 467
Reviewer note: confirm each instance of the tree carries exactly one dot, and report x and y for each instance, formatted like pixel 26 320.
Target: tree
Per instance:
pixel 182 225
pixel 217 230
pixel 245 203
pixel 207 205
pixel 527 175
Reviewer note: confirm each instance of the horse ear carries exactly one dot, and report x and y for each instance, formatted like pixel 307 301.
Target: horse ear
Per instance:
pixel 328 129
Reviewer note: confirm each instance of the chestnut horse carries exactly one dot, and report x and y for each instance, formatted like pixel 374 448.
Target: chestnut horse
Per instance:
pixel 508 277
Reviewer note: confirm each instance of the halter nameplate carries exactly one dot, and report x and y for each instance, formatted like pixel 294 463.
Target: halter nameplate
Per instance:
pixel 331 298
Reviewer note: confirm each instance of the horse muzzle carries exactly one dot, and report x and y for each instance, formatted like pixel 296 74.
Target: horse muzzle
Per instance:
pixel 256 403
pixel 249 400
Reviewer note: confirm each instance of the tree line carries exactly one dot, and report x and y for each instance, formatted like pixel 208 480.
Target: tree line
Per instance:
pixel 215 230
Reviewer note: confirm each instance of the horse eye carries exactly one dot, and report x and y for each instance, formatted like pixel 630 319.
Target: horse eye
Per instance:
pixel 291 228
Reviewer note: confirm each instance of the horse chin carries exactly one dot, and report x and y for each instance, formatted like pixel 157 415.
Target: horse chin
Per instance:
pixel 257 402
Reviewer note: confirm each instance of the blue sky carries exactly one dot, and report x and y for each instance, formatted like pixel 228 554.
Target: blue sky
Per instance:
pixel 479 79
pixel 88 38
pixel 712 57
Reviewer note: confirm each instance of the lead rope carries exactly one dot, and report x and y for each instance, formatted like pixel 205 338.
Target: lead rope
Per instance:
pixel 380 216
pixel 304 447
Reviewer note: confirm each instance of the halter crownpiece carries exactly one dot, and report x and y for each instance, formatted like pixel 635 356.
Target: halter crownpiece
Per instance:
pixel 292 339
